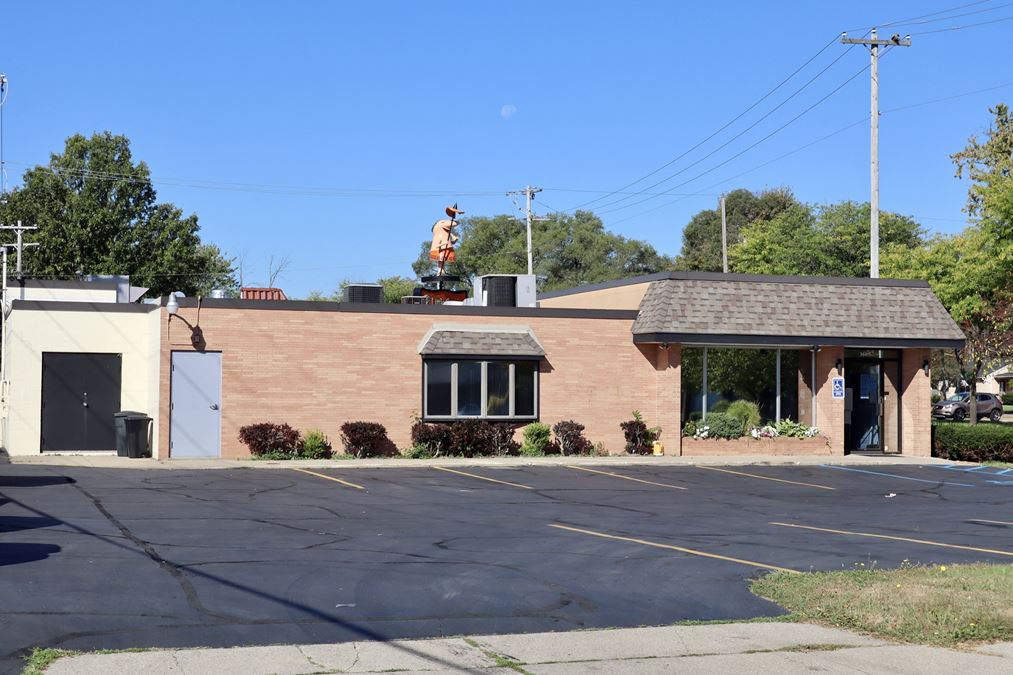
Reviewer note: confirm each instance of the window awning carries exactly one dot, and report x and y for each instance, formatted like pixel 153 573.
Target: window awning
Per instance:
pixel 785 311
pixel 481 341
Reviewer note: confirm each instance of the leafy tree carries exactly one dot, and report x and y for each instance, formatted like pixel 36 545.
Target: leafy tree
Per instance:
pixel 568 251
pixel 972 272
pixel 97 213
pixel 701 238
pixel 826 240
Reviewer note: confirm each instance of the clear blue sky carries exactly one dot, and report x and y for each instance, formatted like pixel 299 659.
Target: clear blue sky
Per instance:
pixel 452 98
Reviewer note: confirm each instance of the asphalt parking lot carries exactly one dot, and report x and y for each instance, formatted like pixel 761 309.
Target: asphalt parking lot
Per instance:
pixel 107 559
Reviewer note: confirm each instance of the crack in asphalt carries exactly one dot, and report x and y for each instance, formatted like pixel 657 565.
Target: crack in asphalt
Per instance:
pixel 189 592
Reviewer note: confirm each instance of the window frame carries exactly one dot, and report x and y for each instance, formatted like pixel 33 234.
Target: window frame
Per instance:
pixel 512 361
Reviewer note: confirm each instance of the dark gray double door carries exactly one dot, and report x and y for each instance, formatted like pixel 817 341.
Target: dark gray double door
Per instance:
pixel 80 393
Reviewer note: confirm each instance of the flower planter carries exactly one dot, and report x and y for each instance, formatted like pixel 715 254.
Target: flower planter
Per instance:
pixel 782 445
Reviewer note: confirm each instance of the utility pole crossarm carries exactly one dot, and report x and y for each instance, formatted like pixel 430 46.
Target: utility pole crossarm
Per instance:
pixel 895 41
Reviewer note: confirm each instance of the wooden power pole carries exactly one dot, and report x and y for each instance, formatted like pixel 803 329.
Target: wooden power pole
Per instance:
pixel 874 43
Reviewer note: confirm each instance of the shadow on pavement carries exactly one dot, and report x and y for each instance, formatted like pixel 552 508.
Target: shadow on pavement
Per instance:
pixel 15 554
pixel 18 523
pixel 34 481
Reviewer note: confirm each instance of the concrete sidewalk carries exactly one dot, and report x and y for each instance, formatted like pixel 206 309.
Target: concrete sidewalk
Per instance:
pixel 111 461
pixel 717 648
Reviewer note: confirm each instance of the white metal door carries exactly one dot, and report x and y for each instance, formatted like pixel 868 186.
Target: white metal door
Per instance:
pixel 195 413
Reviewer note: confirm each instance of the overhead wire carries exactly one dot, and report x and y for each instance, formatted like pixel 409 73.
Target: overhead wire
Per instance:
pixel 753 145
pixel 970 25
pixel 863 120
pixel 715 133
pixel 924 18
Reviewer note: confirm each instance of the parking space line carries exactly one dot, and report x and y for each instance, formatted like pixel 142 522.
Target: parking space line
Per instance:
pixel 755 475
pixel 336 480
pixel 491 480
pixel 619 475
pixel 871 535
pixel 681 549
pixel 893 475
pixel 990 522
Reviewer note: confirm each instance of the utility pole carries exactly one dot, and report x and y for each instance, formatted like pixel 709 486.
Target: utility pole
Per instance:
pixel 724 237
pixel 874 43
pixel 529 195
pixel 19 244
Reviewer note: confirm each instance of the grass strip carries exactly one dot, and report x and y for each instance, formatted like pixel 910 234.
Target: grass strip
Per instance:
pixel 40 659
pixel 940 605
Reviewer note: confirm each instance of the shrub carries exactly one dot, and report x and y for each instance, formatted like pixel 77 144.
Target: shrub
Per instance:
pixel 973 443
pixel 365 439
pixel 315 445
pixel 570 438
pixel 936 397
pixel 502 438
pixel 638 437
pixel 723 425
pixel 689 429
pixel 791 429
pixel 747 412
pixel 536 437
pixel 279 440
pixel 467 438
pixel 1007 398
pixel 436 437
pixel 719 407
pixel 418 451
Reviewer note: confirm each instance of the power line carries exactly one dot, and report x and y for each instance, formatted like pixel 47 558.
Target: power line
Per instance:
pixel 970 25
pixel 914 19
pixel 262 188
pixel 753 145
pixel 730 140
pixel 715 133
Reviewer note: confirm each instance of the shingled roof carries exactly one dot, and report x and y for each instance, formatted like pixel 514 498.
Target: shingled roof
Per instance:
pixel 751 310
pixel 510 341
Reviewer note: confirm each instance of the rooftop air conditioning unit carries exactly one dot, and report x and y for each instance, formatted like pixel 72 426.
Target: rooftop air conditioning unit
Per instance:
pixel 506 290
pixel 363 293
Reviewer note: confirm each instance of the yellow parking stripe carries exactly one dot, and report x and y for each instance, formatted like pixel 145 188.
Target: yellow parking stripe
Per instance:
pixel 755 475
pixel 491 480
pixel 925 542
pixel 619 475
pixel 681 549
pixel 990 522
pixel 336 480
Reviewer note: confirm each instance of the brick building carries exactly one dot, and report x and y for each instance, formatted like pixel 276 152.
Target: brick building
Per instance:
pixel 849 356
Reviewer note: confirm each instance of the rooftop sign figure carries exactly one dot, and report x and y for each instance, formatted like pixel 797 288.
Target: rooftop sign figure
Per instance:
pixel 442 248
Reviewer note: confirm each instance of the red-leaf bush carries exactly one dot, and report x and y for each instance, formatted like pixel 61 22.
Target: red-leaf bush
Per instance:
pixel 366 439
pixel 466 438
pixel 268 438
pixel 570 438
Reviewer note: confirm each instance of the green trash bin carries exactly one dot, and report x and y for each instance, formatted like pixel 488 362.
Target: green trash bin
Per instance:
pixel 120 425
pixel 137 435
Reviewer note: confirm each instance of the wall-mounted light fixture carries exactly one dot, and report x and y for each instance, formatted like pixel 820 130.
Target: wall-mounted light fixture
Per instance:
pixel 925 367
pixel 664 345
pixel 839 365
pixel 196 334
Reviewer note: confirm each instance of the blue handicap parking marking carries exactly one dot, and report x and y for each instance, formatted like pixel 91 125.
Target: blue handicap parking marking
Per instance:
pixel 893 475
pixel 981 470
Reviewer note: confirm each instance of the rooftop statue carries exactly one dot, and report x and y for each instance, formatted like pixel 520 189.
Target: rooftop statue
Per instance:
pixel 442 248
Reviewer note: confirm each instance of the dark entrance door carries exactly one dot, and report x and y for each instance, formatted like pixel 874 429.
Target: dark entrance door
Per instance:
pixel 863 384
pixel 80 393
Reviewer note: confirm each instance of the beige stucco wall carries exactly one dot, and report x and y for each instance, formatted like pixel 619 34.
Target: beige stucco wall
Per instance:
pixel 618 297
pixel 33 332
pixel 64 294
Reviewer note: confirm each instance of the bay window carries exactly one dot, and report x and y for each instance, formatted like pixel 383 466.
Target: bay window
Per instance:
pixel 484 389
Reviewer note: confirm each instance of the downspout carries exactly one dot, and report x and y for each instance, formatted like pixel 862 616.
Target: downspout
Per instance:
pixel 812 371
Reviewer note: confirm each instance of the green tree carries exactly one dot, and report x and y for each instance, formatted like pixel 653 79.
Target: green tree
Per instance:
pixel 827 240
pixel 97 213
pixel 568 251
pixel 972 272
pixel 701 238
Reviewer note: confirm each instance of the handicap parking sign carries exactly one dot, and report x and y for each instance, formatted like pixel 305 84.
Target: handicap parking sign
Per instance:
pixel 838 387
